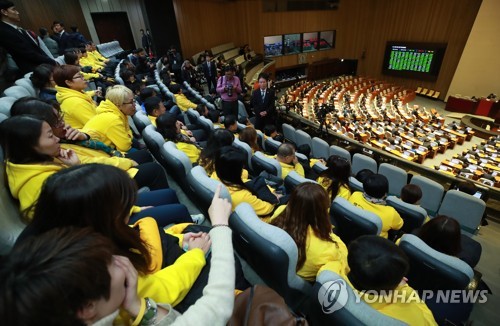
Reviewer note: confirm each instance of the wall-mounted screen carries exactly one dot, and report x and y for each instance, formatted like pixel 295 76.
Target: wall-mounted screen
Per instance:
pixel 413 60
pixel 273 46
pixel 309 42
pixel 291 44
pixel 326 40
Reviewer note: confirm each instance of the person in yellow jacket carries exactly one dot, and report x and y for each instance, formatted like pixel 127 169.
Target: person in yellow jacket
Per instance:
pixel 78 106
pixel 101 197
pixel 168 126
pixel 229 169
pixel 305 218
pixel 376 187
pixel 180 99
pixel 288 161
pixel 87 60
pixel 154 108
pixel 377 271
pixel 110 125
pixel 335 179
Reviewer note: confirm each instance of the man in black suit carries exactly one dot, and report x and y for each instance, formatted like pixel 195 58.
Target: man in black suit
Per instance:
pixel 210 72
pixel 22 46
pixel 262 103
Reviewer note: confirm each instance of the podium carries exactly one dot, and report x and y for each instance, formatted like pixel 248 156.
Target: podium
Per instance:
pixel 484 107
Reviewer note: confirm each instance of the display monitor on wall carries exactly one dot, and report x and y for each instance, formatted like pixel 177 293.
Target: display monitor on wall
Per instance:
pixel 413 60
pixel 326 40
pixel 273 45
pixel 309 42
pixel 292 44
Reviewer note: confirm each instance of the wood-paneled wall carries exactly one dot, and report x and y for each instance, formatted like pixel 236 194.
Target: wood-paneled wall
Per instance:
pixel 41 13
pixel 133 8
pixel 363 26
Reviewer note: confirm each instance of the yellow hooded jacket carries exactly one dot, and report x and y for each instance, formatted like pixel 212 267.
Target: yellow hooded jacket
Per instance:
pixel 78 107
pixel 110 126
pixel 26 180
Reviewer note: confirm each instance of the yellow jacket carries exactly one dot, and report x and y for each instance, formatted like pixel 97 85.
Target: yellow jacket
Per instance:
pixel 238 196
pixel 344 192
pixel 409 310
pixel 287 168
pixel 89 75
pixel 152 119
pixel 190 150
pixel 110 126
pixel 183 102
pixel 98 56
pixel 89 155
pixel 26 180
pixel 172 283
pixel 320 255
pixel 78 107
pixel 89 61
pixel 391 220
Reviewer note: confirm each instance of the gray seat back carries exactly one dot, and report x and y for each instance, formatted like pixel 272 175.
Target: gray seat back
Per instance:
pixel 339 151
pixel 432 193
pixel 272 254
pixel 361 162
pixel 302 138
pixel 352 222
pixel 293 179
pixel 28 85
pixel 466 209
pixel 141 120
pixel 261 162
pixel 154 142
pixel 412 215
pixel 204 187
pixel 355 184
pixel 320 148
pixel 247 151
pixel 16 92
pixel 334 302
pixel 178 164
pixel 5 104
pixel 271 145
pixel 397 177
pixel 289 132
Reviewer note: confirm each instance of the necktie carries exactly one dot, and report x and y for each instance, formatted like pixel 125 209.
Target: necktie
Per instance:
pixel 26 34
pixel 263 93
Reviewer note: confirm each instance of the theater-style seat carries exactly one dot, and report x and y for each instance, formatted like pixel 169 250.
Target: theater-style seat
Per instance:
pixel 178 165
pixel 293 179
pixel 412 215
pixel 397 177
pixel 289 132
pixel 352 222
pixel 302 138
pixel 3 117
pixel 141 120
pixel 355 184
pixel 332 291
pixel 28 85
pixel 339 151
pixel 10 222
pixel 466 209
pixel 16 92
pixel 246 150
pixel 203 188
pixel 432 270
pixel 361 162
pixel 6 103
pixel 192 116
pixel 261 162
pixel 320 148
pixel 154 142
pixel 432 193
pixel 271 253
pixel 206 124
pixel 271 145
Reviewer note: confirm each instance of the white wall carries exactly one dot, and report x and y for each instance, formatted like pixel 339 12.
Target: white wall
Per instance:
pixel 478 72
pixel 132 7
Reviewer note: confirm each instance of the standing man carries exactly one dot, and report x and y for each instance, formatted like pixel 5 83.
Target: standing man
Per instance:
pixel 262 103
pixel 145 41
pixel 229 86
pixel 210 72
pixel 22 45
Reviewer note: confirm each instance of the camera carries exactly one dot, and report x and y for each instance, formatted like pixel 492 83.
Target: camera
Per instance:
pixel 229 89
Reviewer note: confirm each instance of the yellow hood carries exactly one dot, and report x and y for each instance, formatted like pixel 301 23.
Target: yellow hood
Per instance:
pixel 64 93
pixel 26 180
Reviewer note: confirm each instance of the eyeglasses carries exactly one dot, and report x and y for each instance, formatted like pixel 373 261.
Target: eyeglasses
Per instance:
pixel 131 102
pixel 78 76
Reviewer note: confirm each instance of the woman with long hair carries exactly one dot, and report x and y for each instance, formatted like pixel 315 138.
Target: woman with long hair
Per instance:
pixel 168 126
pixel 305 218
pixel 101 197
pixel 217 140
pixel 249 136
pixel 335 179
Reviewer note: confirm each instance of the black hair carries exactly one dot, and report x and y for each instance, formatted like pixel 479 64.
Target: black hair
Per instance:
pixel 376 186
pixel 166 125
pixel 229 166
pixel 376 263
pixel 263 75
pixel 269 129
pixel 41 75
pixel 214 116
pixel 175 88
pixel 145 93
pixel 152 103
pixel 411 193
pixel 43 31
pixel 37 108
pixel 201 108
pixel 70 58
pixel 229 120
pixel 338 171
pixel 217 140
pixel 363 174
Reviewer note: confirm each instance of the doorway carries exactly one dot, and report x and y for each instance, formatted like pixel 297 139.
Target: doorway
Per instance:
pixel 112 26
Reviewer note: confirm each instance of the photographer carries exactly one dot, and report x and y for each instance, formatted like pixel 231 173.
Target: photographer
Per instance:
pixel 229 86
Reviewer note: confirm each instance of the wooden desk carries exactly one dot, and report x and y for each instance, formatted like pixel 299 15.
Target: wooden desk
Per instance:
pixel 452 165
pixel 456 104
